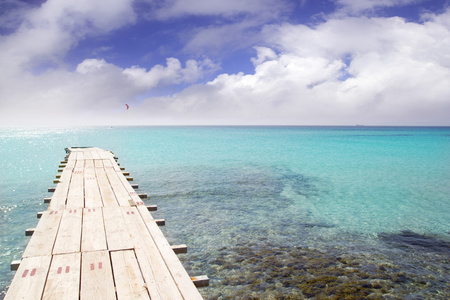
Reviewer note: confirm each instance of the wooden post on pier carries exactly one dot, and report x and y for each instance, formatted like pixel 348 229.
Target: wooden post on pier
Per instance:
pixel 97 240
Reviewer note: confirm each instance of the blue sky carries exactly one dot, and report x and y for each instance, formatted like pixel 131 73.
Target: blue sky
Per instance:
pixel 215 62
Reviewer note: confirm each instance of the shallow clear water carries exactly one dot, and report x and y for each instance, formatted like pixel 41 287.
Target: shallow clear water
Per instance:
pixel 249 200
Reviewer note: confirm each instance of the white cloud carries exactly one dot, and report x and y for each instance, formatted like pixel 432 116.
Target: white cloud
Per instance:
pixel 173 73
pixel 94 93
pixel 224 38
pixel 353 7
pixel 48 32
pixel 263 54
pixel 344 71
pixel 236 23
pixel 229 8
pixel 56 95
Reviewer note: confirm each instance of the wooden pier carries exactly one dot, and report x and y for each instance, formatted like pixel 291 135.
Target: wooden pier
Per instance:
pixel 97 240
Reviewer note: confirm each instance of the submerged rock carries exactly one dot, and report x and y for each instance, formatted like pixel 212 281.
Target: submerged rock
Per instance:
pixel 410 239
pixel 250 271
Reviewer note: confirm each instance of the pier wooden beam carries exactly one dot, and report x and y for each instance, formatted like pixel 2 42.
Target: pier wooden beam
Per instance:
pixel 135 186
pixel 15 265
pixel 29 231
pixel 126 173
pixel 152 207
pixel 200 281
pixel 178 249
pixel 97 240
pixel 129 178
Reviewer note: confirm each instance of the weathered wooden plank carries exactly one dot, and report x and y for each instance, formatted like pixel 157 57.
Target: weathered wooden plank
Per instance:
pixel 93 197
pixel 108 197
pixel 117 236
pixel 128 187
pixel 158 278
pixel 80 155
pixel 119 189
pixel 29 281
pixel 128 277
pixel 68 239
pixel 75 197
pixel 96 276
pixel 95 154
pixel 93 234
pixel 106 155
pixel 43 239
pixel 87 154
pixel 59 198
pixel 63 280
pixel 179 274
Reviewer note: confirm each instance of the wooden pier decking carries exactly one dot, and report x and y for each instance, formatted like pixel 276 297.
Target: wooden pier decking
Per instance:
pixel 97 240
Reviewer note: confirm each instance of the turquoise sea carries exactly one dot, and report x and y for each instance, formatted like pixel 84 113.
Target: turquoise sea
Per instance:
pixel 267 212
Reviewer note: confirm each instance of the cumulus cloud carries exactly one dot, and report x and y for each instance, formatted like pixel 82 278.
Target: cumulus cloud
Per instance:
pixel 36 84
pixel 93 94
pixel 173 73
pixel 48 32
pixel 344 71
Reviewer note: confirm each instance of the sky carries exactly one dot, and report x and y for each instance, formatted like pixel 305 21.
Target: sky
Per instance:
pixel 216 62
